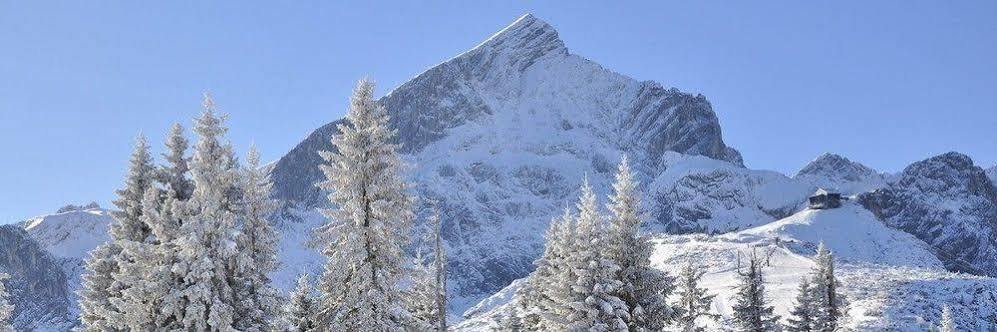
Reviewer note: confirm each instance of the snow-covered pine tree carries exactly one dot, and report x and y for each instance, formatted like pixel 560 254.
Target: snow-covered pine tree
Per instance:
pixel 420 296
pixel 947 323
pixel 299 312
pixel 644 289
pixel 543 300
pixel 175 174
pixel 99 284
pixel 368 224
pixel 256 300
pixel 426 298
pixel 802 314
pixel 6 309
pixel 752 312
pixel 165 225
pixel 693 301
pixel 206 244
pixel 593 305
pixel 140 294
pixel 830 303
pixel 427 301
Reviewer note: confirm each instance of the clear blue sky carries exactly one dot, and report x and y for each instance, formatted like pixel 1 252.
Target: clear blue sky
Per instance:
pixel 884 83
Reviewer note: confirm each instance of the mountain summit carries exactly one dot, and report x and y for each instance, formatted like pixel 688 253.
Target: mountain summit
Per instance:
pixel 836 173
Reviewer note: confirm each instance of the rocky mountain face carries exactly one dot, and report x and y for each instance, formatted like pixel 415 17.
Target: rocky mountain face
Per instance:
pixel 992 174
pixel 501 137
pixel 948 202
pixel 838 174
pixel 38 286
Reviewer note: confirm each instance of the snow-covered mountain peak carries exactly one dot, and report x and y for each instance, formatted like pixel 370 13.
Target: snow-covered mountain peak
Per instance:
pixel 523 41
pixel 839 174
pixel 948 172
pixel 71 233
pixel 948 202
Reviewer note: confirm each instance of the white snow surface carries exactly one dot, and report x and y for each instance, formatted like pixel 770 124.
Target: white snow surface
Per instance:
pixel 71 234
pixel 892 280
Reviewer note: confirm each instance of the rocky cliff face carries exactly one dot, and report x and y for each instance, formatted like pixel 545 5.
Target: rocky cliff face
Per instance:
pixel 992 174
pixel 38 286
pixel 501 137
pixel 948 202
pixel 839 174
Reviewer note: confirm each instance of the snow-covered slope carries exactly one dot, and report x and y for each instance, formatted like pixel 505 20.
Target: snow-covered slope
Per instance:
pixel 502 135
pixel 69 235
pixel 892 279
pixel 838 174
pixel 949 203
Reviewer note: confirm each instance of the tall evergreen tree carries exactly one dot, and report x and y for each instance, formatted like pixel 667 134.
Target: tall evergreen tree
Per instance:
pixel 165 226
pixel 368 224
pixel 548 289
pixel 206 243
pixel 803 311
pixel 693 301
pixel 593 305
pixel 100 287
pixel 644 289
pixel 256 304
pixel 175 175
pixel 137 301
pixel 752 312
pixel 426 298
pixel 299 312
pixel 830 303
pixel 947 323
pixel 6 309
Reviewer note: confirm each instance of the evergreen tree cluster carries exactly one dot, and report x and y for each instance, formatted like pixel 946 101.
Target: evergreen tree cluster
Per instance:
pixel 595 273
pixel 191 245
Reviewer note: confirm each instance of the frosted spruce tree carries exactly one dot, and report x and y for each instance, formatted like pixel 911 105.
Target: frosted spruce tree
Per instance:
pixel 543 300
pixel 299 312
pixel 368 223
pixel 139 294
pixel 947 323
pixel 426 298
pixel 256 304
pixel 693 301
pixel 644 289
pixel 100 287
pixel 752 312
pixel 420 296
pixel 830 303
pixel 206 244
pixel 6 309
pixel 593 305
pixel 802 314
pixel 165 225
